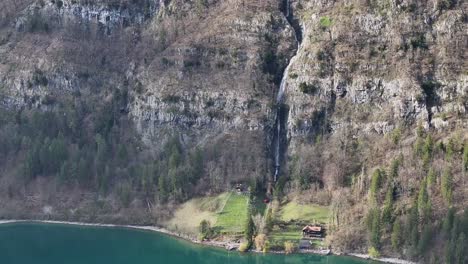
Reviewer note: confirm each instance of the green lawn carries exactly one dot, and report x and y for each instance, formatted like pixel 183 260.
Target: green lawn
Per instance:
pixel 232 218
pixel 291 233
pixel 306 213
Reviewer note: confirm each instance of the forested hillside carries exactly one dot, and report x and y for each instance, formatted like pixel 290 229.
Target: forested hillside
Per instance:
pixel 146 111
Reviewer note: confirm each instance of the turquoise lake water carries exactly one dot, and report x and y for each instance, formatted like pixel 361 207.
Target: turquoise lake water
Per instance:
pixel 33 243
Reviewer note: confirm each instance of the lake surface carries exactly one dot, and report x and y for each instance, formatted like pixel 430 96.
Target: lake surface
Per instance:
pixel 33 243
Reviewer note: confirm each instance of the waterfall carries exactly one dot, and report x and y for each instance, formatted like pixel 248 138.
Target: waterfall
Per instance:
pixel 280 97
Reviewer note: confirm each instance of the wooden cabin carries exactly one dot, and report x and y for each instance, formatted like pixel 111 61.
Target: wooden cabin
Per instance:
pixel 312 231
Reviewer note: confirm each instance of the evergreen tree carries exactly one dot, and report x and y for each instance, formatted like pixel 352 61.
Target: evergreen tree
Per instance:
pixel 197 165
pixel 413 225
pixel 204 229
pixel 249 228
pixel 449 150
pixel 448 221
pixel 122 155
pixel 396 236
pixel 427 151
pixel 460 250
pixel 162 188
pixel 447 185
pixel 394 166
pixel 425 240
pixel 375 185
pixel 388 206
pixel 423 199
pixel 431 177
pixel 374 227
pixel 450 248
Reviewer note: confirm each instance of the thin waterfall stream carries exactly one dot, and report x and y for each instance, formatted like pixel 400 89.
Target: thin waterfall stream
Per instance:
pixel 281 114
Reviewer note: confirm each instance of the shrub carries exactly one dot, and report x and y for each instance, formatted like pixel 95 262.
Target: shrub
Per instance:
pixel 204 229
pixel 419 42
pixel 244 247
pixel 308 88
pixel 37 23
pixel 446 4
pixel 373 252
pixel 325 22
pixel 394 166
pixel 39 78
pixel 289 247
pixel 396 135
pixel 171 98
pixel 59 4
pixel 260 241
pixel 270 63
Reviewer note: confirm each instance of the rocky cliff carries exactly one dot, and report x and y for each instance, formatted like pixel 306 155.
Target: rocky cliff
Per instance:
pixel 366 75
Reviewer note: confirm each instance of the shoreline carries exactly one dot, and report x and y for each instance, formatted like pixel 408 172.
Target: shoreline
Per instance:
pixel 218 244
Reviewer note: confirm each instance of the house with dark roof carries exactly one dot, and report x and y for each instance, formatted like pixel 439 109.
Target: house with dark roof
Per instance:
pixel 311 231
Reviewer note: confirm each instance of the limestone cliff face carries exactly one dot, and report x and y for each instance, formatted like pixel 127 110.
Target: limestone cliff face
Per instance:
pixel 184 65
pixel 371 66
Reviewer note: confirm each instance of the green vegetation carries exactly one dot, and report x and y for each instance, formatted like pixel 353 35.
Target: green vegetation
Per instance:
pixel 373 252
pixel 424 203
pixel 291 219
pixel 308 88
pixel 308 213
pixel 387 213
pixel 396 237
pixel 249 227
pixel 419 41
pixel 446 4
pixel 280 234
pixel 431 177
pixel 325 22
pixel 232 218
pixel 376 182
pixel 396 135
pixel 447 185
pixel 374 227
pixel 455 229
pixel 204 229
pixel 289 247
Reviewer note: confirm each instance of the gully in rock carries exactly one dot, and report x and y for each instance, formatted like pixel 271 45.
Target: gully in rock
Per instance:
pixel 279 138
